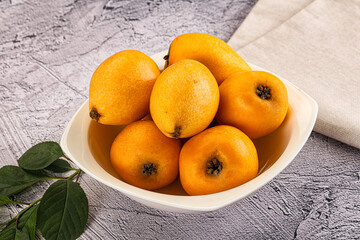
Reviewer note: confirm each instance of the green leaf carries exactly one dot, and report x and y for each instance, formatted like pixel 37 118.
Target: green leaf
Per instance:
pixel 13 179
pixel 59 166
pixel 27 222
pixel 40 156
pixel 5 200
pixel 63 211
pixel 19 235
pixel 9 232
pixel 25 228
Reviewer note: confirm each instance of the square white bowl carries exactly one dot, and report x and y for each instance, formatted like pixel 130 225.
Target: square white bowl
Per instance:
pixel 88 143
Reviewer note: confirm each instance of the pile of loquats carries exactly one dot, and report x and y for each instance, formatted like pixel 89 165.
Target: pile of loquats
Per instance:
pixel 205 108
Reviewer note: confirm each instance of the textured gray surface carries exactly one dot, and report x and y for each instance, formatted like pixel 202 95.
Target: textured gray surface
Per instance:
pixel 48 52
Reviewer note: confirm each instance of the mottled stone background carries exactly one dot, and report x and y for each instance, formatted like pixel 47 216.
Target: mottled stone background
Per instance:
pixel 48 52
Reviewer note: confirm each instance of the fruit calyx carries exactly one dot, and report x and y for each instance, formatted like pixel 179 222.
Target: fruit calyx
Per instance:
pixel 149 169
pixel 176 132
pixel 166 58
pixel 214 166
pixel 263 92
pixel 94 114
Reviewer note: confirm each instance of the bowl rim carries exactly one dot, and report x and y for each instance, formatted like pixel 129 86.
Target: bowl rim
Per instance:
pixel 211 201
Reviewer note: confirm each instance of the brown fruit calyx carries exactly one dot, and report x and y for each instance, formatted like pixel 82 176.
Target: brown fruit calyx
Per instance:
pixel 214 166
pixel 94 114
pixel 176 132
pixel 263 92
pixel 166 58
pixel 149 169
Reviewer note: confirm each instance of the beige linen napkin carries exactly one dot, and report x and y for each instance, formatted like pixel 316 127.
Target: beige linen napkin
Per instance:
pixel 265 16
pixel 317 49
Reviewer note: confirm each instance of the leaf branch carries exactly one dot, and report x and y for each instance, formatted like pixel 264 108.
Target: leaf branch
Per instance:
pixel 20 213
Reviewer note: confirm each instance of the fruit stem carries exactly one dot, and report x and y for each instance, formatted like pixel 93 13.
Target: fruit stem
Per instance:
pixel 74 174
pixel 22 203
pixel 214 166
pixel 263 92
pixel 148 169
pixel 68 159
pixel 176 132
pixel 78 176
pixel 94 114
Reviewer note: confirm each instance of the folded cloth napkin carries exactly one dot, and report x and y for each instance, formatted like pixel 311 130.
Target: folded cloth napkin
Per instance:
pixel 316 47
pixel 264 17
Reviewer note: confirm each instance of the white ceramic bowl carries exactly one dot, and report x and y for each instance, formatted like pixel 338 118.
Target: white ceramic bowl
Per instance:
pixel 88 143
